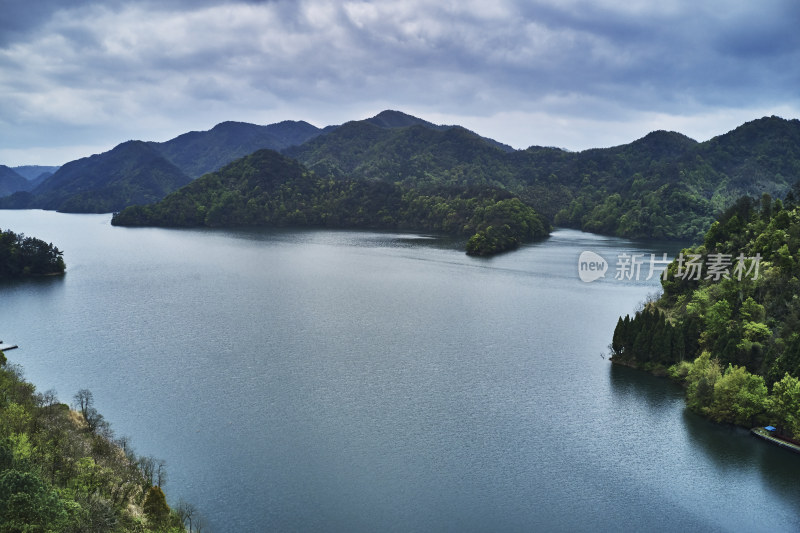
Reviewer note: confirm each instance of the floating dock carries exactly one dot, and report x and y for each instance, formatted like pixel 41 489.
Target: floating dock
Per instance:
pixel 4 347
pixel 762 433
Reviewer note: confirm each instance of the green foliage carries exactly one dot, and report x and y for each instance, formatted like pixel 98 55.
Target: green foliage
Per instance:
pixel 28 505
pixel 503 226
pixel 60 474
pixel 701 381
pixel 156 508
pixel 739 397
pixel 735 396
pixel 663 186
pixel 741 333
pixel 28 256
pixel 267 189
pixel 784 405
pixel 752 321
pixel 648 339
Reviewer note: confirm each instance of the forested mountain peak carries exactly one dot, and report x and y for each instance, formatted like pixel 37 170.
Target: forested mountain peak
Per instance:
pixel 398 119
pixel 233 127
pixel 769 135
pixel 665 143
pixel 391 119
pixel 293 132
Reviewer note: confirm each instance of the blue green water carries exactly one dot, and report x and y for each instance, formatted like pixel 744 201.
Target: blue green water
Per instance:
pixel 357 381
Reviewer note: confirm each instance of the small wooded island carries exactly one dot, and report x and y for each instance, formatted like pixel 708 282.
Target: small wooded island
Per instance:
pixel 732 340
pixel 269 189
pixel 28 256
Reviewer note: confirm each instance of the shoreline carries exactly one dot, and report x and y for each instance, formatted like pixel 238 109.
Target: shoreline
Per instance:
pixel 763 434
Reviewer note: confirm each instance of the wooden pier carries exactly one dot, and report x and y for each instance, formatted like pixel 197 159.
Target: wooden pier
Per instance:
pixel 4 347
pixel 762 433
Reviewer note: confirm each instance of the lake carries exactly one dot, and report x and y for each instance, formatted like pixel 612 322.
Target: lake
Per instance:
pixel 360 381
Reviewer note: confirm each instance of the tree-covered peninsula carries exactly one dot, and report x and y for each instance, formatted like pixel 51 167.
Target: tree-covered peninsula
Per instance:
pixel 269 189
pixel 28 256
pixel 64 471
pixel 728 322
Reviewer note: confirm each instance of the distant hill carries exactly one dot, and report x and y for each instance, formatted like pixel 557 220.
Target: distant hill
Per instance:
pixel 131 173
pixel 199 152
pixel 33 172
pixel 11 181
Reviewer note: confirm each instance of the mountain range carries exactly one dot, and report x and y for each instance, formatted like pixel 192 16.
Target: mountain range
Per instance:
pixel 664 185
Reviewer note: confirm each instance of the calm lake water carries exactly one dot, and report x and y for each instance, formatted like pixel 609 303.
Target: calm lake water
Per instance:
pixel 356 381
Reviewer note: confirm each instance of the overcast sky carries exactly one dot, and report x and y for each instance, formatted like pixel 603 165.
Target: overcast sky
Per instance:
pixel 79 77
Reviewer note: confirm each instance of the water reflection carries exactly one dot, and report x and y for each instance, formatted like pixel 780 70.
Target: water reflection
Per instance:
pixel 631 385
pixel 35 283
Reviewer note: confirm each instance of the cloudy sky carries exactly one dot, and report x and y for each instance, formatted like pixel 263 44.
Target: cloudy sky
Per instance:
pixel 79 77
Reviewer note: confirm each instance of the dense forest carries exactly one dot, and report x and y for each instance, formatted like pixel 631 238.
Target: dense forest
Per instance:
pixel 64 470
pixel 728 322
pixel 664 185
pixel 268 189
pixel 28 256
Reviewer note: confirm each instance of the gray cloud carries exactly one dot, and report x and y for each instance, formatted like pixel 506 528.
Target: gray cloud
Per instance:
pixel 96 73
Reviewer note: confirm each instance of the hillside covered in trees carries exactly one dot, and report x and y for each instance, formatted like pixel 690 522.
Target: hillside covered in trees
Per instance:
pixel 28 256
pixel 728 322
pixel 663 186
pixel 268 189
pixel 63 470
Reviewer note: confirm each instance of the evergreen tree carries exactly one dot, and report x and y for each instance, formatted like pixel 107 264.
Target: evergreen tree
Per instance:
pixel 156 508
